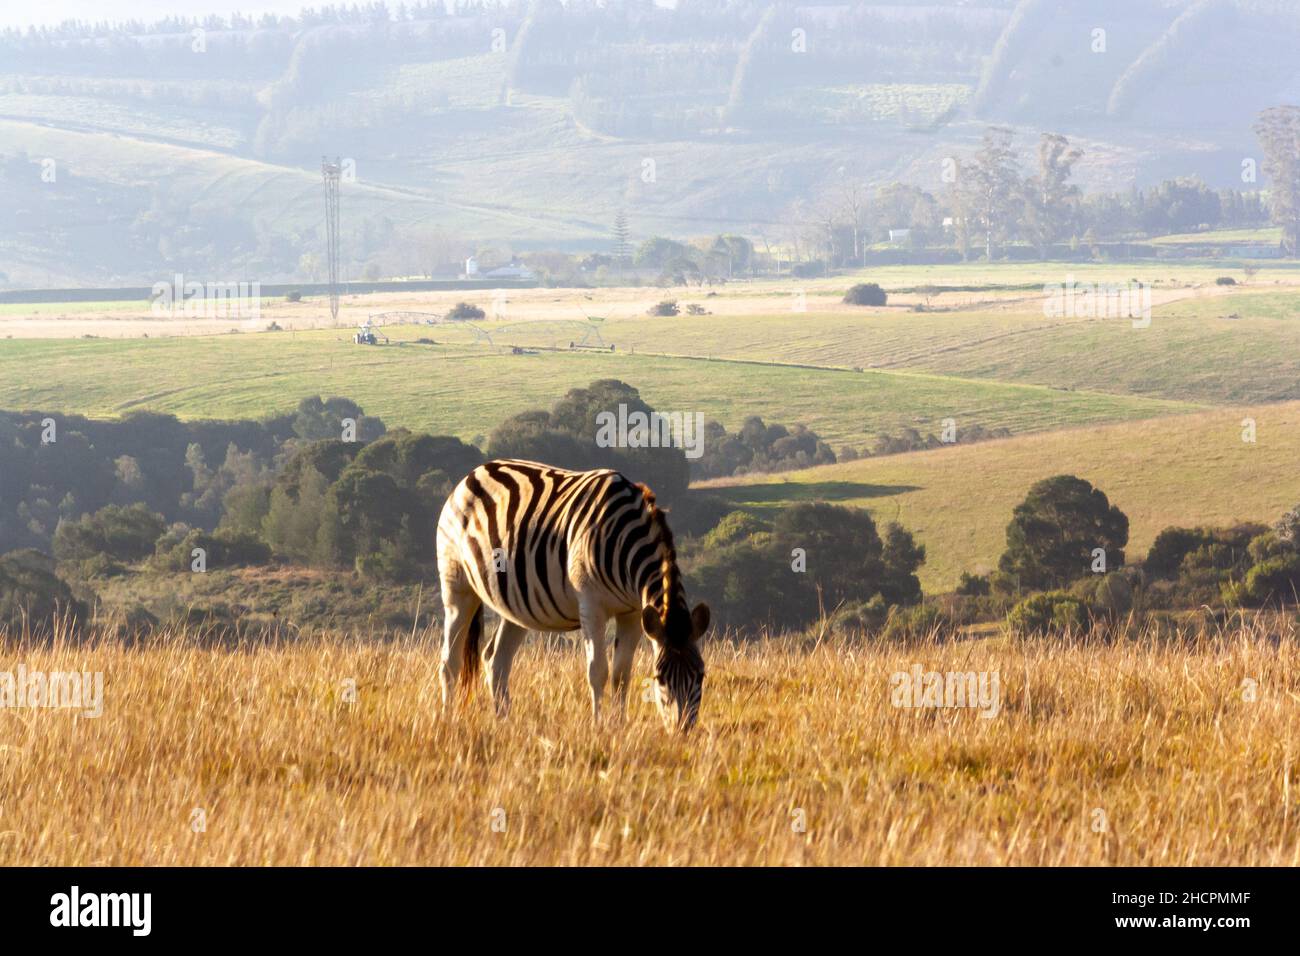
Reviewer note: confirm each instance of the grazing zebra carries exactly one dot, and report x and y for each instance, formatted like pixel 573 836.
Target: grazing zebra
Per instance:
pixel 556 550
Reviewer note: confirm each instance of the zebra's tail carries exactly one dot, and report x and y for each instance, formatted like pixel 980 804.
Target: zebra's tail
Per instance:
pixel 470 660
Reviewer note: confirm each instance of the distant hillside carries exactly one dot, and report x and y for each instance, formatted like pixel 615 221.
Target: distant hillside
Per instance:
pixel 534 125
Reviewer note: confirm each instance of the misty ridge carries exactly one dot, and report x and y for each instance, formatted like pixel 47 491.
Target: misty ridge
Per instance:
pixel 823 135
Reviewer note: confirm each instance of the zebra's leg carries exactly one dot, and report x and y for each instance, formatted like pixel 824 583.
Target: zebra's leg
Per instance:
pixel 594 621
pixel 627 635
pixel 509 636
pixel 459 605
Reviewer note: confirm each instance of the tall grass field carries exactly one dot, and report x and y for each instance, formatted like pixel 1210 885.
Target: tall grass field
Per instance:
pixel 1121 749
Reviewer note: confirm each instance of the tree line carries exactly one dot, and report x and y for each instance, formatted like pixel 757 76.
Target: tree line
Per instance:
pixel 85 502
pixel 991 206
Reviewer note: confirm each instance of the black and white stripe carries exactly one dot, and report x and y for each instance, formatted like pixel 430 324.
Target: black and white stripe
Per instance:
pixel 556 550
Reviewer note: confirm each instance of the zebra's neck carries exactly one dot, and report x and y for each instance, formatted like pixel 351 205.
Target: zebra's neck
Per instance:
pixel 661 580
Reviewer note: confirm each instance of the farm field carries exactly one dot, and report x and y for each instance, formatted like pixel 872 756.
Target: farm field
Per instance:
pixel 1192 470
pixel 467 391
pixel 1208 347
pixel 983 341
pixel 949 288
pixel 1242 349
pixel 262 756
pixel 1150 415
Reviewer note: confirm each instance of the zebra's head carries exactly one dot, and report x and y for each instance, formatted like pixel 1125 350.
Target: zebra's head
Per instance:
pixel 679 667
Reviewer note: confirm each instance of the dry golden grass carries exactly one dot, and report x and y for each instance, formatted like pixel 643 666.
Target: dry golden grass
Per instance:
pixel 1157 736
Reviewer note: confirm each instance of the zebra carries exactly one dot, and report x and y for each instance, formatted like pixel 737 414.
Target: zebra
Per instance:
pixel 550 549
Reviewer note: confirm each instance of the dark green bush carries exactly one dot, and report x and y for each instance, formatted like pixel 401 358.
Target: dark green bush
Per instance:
pixel 863 617
pixel 865 293
pixel 224 549
pixel 124 533
pixel 917 622
pixel 1050 612
pixel 1275 580
pixel 33 599
pixel 1110 595
pixel 464 312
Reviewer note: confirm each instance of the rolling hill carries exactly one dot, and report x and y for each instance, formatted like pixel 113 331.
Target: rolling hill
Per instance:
pixel 534 125
pixel 1190 470
pixel 456 389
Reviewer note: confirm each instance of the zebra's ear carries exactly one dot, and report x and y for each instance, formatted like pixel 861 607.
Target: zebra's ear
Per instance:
pixel 652 624
pixel 700 618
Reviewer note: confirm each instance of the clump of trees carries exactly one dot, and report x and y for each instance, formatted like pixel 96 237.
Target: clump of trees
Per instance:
pixel 703 261
pixel 1064 524
pixel 994 208
pixel 372 508
pixel 369 506
pixel 1049 611
pixel 181 548
pixel 569 435
pixel 910 439
pixel 61 468
pixel 123 533
pixel 810 559
pixel 759 448
pixel 1063 530
pixel 1245 565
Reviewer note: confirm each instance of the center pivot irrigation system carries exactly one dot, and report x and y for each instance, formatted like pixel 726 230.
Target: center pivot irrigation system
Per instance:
pixel 592 340
pixel 368 334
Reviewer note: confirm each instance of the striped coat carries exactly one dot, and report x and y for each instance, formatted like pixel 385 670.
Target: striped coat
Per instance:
pixel 557 550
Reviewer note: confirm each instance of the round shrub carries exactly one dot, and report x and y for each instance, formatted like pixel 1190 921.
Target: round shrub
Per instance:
pixel 919 622
pixel 736 526
pixel 1050 612
pixel 861 616
pixel 865 293
pixel 464 312
pixel 973 585
pixel 1108 594
pixel 1274 581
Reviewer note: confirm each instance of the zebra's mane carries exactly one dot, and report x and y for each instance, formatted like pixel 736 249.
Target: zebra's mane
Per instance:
pixel 668 568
